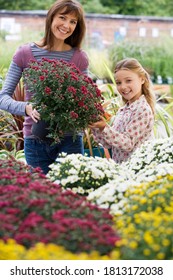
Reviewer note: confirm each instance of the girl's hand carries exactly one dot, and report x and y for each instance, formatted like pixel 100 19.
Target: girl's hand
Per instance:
pixel 100 124
pixel 33 113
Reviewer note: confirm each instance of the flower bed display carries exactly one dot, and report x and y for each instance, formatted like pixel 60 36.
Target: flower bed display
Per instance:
pixel 155 151
pixel 139 196
pixel 32 210
pixel 147 221
pixel 84 174
pixel 11 250
pixel 152 159
pixel 131 215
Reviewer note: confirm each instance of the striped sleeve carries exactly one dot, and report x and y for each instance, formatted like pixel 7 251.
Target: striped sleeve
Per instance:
pixel 7 103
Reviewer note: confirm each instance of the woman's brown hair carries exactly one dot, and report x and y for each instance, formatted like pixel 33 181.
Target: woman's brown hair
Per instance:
pixel 67 6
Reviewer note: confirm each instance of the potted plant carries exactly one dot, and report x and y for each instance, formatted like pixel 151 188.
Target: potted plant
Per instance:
pixel 67 99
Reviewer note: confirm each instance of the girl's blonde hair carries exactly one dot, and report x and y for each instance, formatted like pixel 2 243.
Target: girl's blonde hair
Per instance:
pixel 133 64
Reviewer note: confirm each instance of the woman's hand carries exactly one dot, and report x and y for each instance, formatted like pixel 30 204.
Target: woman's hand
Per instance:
pixel 100 124
pixel 33 113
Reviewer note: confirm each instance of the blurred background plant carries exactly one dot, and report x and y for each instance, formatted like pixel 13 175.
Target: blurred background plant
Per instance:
pixel 155 56
pixel 11 134
pixel 130 7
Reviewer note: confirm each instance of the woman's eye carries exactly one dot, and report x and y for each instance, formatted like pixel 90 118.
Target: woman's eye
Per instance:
pixel 74 22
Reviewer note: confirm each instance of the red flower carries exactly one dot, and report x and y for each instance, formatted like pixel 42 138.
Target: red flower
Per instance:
pixel 74 77
pixel 81 104
pixel 71 89
pixel 84 90
pixel 42 78
pixel 74 115
pixel 47 90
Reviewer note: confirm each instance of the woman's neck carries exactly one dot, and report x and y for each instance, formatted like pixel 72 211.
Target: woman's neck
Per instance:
pixel 58 46
pixel 61 47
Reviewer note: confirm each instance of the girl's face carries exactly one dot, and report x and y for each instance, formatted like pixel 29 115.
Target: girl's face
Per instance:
pixel 63 25
pixel 129 84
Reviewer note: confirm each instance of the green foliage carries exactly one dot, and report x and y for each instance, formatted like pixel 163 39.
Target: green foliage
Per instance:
pixel 130 7
pixel 11 46
pixel 164 120
pixel 25 4
pixel 147 7
pixel 11 136
pixel 11 126
pixel 3 33
pixel 97 61
pixel 156 57
pixel 94 6
pixel 7 155
pixel 6 59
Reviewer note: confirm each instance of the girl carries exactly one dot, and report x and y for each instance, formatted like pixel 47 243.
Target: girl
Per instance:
pixel 134 122
pixel 64 33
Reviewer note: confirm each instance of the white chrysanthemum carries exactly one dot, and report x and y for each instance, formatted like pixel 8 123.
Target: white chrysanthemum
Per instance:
pixel 73 171
pixel 152 159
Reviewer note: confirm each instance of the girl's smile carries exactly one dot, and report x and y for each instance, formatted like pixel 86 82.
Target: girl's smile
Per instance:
pixel 129 84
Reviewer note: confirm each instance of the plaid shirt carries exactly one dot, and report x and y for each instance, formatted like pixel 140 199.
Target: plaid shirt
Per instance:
pixel 132 126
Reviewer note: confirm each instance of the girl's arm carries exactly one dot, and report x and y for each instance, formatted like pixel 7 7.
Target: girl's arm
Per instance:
pixel 97 129
pixel 137 129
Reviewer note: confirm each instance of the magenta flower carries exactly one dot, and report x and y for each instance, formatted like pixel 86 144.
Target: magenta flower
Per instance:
pixel 84 90
pixel 72 89
pixel 81 103
pixel 74 115
pixel 40 211
pixel 47 90
pixel 42 78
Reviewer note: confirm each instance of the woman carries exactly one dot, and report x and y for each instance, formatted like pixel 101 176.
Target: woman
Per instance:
pixel 64 32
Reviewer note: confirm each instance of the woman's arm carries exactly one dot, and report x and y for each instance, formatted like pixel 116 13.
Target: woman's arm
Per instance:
pixel 7 102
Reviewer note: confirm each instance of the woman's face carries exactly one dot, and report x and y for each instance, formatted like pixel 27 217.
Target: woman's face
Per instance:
pixel 129 84
pixel 63 25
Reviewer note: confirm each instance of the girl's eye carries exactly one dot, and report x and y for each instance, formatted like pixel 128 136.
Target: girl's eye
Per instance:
pixel 118 83
pixel 62 17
